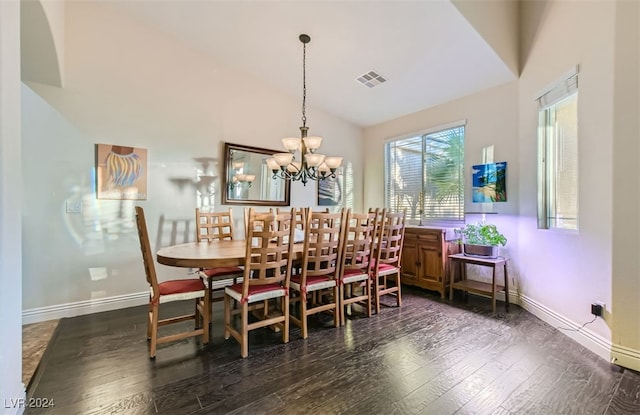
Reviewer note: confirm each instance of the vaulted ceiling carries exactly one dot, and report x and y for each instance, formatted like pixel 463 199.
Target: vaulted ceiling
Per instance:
pixel 429 51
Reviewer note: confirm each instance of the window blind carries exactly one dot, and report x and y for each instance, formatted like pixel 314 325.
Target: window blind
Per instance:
pixel 424 175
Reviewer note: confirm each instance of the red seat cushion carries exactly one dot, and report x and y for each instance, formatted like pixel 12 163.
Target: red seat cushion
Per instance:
pixel 217 272
pixel 353 271
pixel 180 286
pixel 386 267
pixel 310 279
pixel 256 289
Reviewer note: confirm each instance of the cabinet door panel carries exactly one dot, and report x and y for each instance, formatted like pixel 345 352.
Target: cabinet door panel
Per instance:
pixel 431 263
pixel 409 261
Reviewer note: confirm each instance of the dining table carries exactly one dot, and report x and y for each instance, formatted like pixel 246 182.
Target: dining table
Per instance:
pixel 209 254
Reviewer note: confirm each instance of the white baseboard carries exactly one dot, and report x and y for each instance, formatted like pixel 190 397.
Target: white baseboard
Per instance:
pixel 619 355
pixel 35 315
pixel 597 344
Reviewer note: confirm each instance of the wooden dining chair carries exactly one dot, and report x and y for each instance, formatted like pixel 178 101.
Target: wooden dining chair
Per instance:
pixel 315 288
pixel 264 289
pixel 357 262
pixel 300 217
pixel 168 291
pixel 212 226
pixel 386 273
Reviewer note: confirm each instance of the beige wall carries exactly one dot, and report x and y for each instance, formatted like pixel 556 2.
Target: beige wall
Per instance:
pixel 491 119
pixel 128 84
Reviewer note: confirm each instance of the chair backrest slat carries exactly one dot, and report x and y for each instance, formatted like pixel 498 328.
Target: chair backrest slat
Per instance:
pixel 268 253
pixel 358 241
pixel 392 237
pixel 211 226
pixel 322 252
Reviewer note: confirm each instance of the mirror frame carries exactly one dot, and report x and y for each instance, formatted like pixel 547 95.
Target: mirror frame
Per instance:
pixel 228 149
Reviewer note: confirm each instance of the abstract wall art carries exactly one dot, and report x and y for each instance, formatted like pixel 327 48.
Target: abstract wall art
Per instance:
pixel 121 172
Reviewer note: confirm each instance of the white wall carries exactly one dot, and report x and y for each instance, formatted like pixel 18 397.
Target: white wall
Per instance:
pixel 562 273
pixel 559 274
pixel 127 83
pixel 626 187
pixel 11 387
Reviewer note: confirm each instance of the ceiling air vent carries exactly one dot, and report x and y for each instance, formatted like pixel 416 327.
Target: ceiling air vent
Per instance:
pixel 371 79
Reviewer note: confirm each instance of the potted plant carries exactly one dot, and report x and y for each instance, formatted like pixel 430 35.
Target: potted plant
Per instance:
pixel 481 239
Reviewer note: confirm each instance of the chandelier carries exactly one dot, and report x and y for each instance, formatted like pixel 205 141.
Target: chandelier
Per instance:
pixel 239 177
pixel 311 165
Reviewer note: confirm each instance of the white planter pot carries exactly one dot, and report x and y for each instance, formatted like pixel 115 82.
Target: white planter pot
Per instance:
pixel 480 251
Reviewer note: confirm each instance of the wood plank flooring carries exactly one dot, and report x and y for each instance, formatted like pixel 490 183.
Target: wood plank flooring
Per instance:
pixel 430 356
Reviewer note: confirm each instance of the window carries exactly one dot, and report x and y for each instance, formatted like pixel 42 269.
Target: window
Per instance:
pixel 558 155
pixel 424 175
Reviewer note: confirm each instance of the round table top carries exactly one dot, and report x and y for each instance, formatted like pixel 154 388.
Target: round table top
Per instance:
pixel 214 254
pixel 224 253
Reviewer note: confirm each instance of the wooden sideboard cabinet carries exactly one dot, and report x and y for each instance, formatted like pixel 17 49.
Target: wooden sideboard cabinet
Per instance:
pixel 425 255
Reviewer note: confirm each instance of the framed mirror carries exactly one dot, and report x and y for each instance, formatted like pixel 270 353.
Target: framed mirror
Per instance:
pixel 248 180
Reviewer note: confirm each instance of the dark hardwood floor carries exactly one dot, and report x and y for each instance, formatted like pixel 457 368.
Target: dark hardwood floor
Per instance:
pixel 427 357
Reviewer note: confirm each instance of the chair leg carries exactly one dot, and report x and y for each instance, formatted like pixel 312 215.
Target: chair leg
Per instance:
pixel 376 289
pixel 303 315
pixel 367 288
pixel 196 314
pixel 285 325
pixel 244 334
pixel 205 314
pixel 336 311
pixel 154 331
pixel 227 316
pixel 149 311
pixel 399 294
pixel 342 305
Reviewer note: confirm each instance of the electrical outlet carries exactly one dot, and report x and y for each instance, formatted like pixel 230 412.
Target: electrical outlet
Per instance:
pixel 597 308
pixel 74 207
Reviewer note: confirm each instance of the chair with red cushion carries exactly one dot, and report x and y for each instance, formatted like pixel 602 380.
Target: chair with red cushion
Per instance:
pixel 357 262
pixel 387 252
pixel 315 289
pixel 212 226
pixel 264 290
pixel 167 291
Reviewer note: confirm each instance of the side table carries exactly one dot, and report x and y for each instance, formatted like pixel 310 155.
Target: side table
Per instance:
pixel 478 287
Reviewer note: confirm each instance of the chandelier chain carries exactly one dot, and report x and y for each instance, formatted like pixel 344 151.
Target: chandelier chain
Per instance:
pixel 304 84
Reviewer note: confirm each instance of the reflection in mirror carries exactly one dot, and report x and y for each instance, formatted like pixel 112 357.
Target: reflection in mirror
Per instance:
pixel 248 180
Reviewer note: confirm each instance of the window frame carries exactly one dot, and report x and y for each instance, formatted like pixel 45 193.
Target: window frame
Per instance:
pixel 424 218
pixel 565 89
